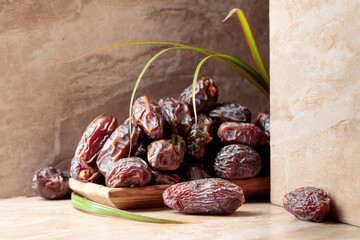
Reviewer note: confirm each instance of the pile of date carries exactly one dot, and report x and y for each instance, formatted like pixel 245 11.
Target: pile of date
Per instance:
pixel 166 146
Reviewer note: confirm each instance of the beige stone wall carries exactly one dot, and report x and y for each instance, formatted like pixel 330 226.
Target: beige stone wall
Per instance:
pixel 315 101
pixel 45 106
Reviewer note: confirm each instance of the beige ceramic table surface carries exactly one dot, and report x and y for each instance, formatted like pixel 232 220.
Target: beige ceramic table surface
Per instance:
pixel 35 218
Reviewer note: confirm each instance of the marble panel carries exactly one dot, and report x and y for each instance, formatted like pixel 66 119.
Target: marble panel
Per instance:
pixel 315 101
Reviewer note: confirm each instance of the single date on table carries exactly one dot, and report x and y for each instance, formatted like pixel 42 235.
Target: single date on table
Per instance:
pixel 212 196
pixel 308 203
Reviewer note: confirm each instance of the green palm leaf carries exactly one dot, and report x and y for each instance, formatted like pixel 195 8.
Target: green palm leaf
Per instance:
pixel 232 62
pixel 251 42
pixel 93 207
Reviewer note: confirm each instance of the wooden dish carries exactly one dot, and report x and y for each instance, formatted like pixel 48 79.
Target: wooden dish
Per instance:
pixel 151 196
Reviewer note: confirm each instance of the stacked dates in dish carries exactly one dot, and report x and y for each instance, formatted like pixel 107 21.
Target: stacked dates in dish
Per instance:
pixel 165 145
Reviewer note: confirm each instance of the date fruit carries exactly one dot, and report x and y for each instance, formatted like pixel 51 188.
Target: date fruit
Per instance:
pixel 141 149
pixel 166 154
pixel 308 203
pixel 204 196
pixel 197 143
pixel 199 137
pixel 118 146
pixel 244 133
pixel 232 112
pixel 94 138
pixel 128 172
pixel 263 121
pixel 206 95
pixel 177 115
pixel 163 178
pixel 51 183
pixel 237 161
pixel 147 114
pixel 83 172
pixel 206 124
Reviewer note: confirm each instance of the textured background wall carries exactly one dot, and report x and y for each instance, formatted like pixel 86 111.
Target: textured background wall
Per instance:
pixel 315 101
pixel 45 106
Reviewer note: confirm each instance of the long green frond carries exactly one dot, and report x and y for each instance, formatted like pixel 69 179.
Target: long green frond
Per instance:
pixel 93 207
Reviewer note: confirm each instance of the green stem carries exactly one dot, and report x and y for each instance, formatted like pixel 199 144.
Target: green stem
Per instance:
pixel 252 45
pixel 233 60
pixel 257 82
pixel 196 75
pixel 93 207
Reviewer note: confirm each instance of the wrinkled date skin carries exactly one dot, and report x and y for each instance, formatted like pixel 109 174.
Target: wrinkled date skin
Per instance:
pixel 141 149
pixel 206 95
pixel 197 143
pixel 51 183
pixel 237 161
pixel 147 114
pixel 230 113
pixel 206 124
pixel 211 196
pixel 244 133
pixel 166 154
pixel 163 178
pixel 128 172
pixel 118 146
pixel 263 121
pixel 177 115
pixel 199 138
pixel 94 138
pixel 308 203
pixel 84 173
pixel 194 172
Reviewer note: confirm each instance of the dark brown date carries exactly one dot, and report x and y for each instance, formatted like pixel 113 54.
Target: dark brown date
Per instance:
pixel 244 133
pixel 84 173
pixel 206 95
pixel 141 149
pixel 118 146
pixel 177 115
pixel 166 154
pixel 163 178
pixel 94 138
pixel 205 123
pixel 180 145
pixel 128 172
pixel 308 203
pixel 147 114
pixel 237 161
pixel 51 183
pixel 263 121
pixel 194 172
pixel 232 112
pixel 204 196
pixel 199 138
